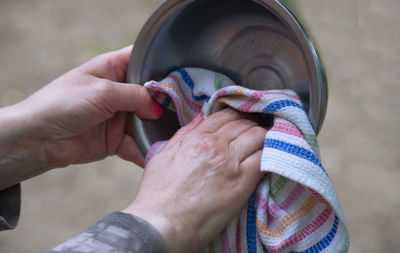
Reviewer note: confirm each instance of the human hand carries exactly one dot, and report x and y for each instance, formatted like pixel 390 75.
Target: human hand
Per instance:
pixel 79 117
pixel 201 179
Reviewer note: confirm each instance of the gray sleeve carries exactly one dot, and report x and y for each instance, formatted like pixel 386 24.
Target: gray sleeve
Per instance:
pixel 117 232
pixel 10 204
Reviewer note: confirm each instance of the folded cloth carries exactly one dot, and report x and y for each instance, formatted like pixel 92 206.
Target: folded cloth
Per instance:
pixel 294 207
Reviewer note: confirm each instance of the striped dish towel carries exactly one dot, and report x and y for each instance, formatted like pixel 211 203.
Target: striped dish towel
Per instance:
pixel 294 207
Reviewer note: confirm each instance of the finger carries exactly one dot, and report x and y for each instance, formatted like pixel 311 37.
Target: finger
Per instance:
pixel 219 119
pixel 128 150
pixel 251 173
pixel 111 65
pixel 196 121
pixel 131 98
pixel 248 142
pixel 235 128
pixel 115 132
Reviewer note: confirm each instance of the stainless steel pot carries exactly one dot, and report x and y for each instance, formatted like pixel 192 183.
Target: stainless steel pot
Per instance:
pixel 257 43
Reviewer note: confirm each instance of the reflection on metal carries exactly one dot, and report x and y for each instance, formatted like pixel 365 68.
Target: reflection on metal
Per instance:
pixel 257 43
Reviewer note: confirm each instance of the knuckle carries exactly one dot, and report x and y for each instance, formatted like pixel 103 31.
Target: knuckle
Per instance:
pixel 248 122
pixel 109 62
pixel 104 86
pixel 211 145
pixel 258 131
pixel 207 143
pixel 101 60
pixel 104 58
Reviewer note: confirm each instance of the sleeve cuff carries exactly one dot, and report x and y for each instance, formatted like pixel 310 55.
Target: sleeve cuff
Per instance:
pixel 10 205
pixel 117 232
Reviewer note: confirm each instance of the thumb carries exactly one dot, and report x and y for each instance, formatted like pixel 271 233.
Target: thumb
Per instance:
pixel 133 98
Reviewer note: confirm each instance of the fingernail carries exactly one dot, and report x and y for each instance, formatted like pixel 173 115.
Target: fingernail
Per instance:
pixel 196 117
pixel 157 109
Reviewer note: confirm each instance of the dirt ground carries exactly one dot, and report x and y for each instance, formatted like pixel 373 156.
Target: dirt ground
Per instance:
pixel 359 43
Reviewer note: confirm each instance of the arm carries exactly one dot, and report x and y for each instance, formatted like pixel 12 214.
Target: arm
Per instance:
pixel 22 153
pixel 79 117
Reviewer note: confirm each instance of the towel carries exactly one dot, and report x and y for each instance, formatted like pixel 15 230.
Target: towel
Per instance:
pixel 294 207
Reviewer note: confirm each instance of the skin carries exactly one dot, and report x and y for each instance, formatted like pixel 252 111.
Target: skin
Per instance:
pixel 201 179
pixel 190 190
pixel 78 118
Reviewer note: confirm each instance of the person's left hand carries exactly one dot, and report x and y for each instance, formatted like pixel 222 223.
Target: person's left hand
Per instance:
pixel 82 116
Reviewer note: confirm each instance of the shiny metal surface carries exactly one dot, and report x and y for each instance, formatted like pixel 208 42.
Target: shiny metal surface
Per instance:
pixel 257 43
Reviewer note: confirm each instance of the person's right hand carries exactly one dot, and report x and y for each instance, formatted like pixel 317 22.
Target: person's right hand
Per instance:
pixel 201 179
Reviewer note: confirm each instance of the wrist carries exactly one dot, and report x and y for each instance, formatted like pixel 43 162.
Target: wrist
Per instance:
pixel 22 153
pixel 178 238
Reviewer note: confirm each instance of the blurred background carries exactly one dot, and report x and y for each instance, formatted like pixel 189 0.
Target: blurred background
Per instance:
pixel 360 139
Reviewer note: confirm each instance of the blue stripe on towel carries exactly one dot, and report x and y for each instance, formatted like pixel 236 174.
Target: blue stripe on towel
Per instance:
pixel 188 80
pixel 251 226
pixel 275 106
pixel 293 149
pixel 325 242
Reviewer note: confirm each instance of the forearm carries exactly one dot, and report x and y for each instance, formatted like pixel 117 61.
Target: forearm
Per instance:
pixel 22 153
